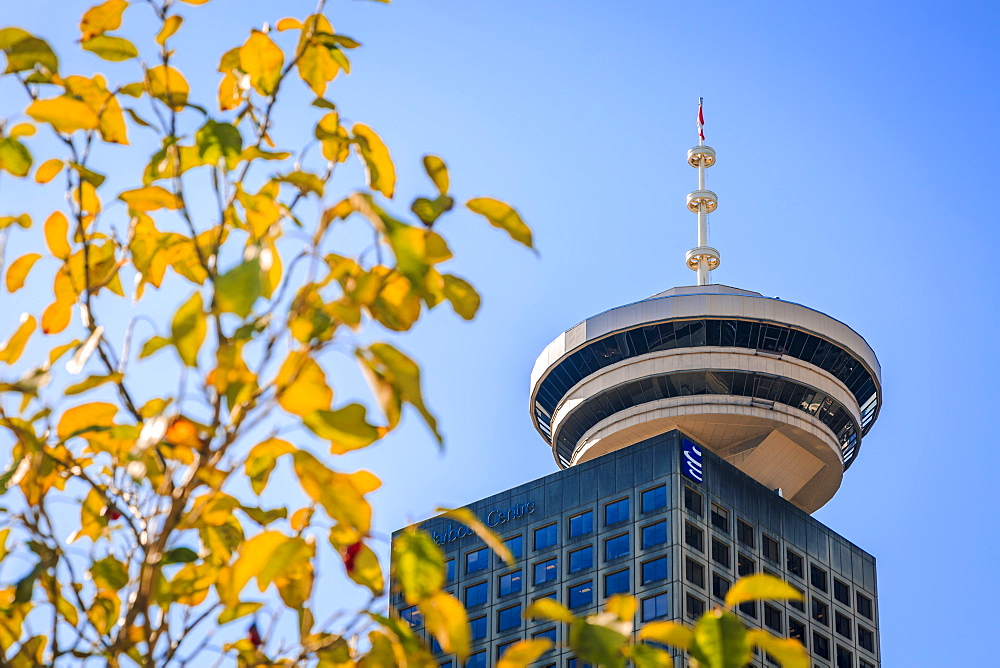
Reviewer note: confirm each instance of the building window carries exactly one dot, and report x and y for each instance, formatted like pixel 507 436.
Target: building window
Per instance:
pixel 694 607
pixel 447 664
pixel 615 512
pixel 581 594
pixel 866 638
pixel 477 628
pixel 745 565
pixel 842 591
pixel 449 570
pixel 864 605
pixel 576 663
pixel 817 577
pixel 821 645
pixel 772 618
pixel 516 546
pixel 501 649
pixel 694 537
pixel 546 537
pixel 510 583
pixel 653 499
pixel 745 534
pixel 720 553
pixel 654 534
pixel 546 571
pixel 720 586
pixel 551 594
pixel 655 570
pixel 581 559
pixel 864 664
pixel 477 560
pixel 582 524
pixel 509 618
pixel 800 604
pixel 793 563
pixel 694 572
pixel 845 659
pixel 796 630
pixel 617 583
pixel 655 607
pixel 720 518
pixel 411 615
pixel 477 660
pixel 617 547
pixel 693 501
pixel 749 609
pixel 547 634
pixel 769 548
pixel 475 594
pixel 821 612
pixel 842 625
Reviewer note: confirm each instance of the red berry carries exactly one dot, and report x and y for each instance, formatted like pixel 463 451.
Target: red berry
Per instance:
pixel 350 554
pixel 254 635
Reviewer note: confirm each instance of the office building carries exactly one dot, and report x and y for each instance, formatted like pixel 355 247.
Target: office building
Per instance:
pixel 695 432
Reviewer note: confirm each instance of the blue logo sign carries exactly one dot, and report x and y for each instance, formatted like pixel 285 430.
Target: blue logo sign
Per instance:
pixel 691 464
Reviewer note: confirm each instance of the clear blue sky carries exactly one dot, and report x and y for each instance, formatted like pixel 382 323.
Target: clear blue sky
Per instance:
pixel 857 175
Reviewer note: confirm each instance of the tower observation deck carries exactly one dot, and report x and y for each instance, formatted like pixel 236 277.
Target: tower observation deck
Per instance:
pixel 782 391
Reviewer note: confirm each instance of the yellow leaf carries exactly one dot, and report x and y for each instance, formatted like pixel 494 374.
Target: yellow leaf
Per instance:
pixel 378 162
pixel 444 616
pixel 48 170
pixel 23 220
pixel 262 60
pixel 395 378
pixel 103 103
pixel 466 517
pixel 14 346
pixel 761 587
pixel 340 494
pixel 463 297
pixel 86 418
pixel 346 428
pixel 56 229
pixel 22 130
pixel 56 316
pixel 547 608
pixel 104 612
pixel 230 93
pixel 302 387
pixel 18 271
pixel 256 557
pixel 316 64
pixel 168 85
pixel 438 173
pixel 366 571
pixel 503 216
pixel 261 460
pixel 188 329
pixel 170 26
pixel 102 18
pixel 65 114
pixel 111 48
pixel 195 2
pixel 622 606
pixel 667 633
pixel 523 653
pixel 789 652
pixel 150 198
pixel 86 197
pixel 288 24
pixel 92 518
pixel 300 519
pixel 92 382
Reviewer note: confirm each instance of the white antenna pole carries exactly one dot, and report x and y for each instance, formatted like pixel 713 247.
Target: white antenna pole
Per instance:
pixel 704 258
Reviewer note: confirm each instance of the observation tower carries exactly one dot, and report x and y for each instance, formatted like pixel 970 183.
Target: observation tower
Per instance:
pixel 782 391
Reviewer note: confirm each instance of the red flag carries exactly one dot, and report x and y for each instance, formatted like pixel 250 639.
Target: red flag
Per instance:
pixel 701 121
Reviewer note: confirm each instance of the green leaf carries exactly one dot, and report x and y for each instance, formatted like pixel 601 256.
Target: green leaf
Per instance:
pixel 109 573
pixel 92 382
pixel 261 461
pixel 463 297
pixel 647 656
pixel 179 555
pixel 346 428
pixel 14 157
pixel 788 651
pixel 720 641
pixel 111 48
pixel 265 517
pixel 417 565
pixel 428 211
pixel 241 609
pixel 217 141
pixel 28 53
pixel 444 616
pixel 188 329
pixel 151 346
pixel 597 644
pixel 238 289
pixel 761 587
pixel 438 173
pixel 262 60
pixel 26 585
pixel 378 162
pixel 466 517
pixel 503 216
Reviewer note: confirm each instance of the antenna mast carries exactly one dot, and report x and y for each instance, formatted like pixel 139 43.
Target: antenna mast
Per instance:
pixel 703 258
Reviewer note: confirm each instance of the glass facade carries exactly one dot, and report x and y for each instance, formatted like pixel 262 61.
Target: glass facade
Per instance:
pixel 731 333
pixel 676 551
